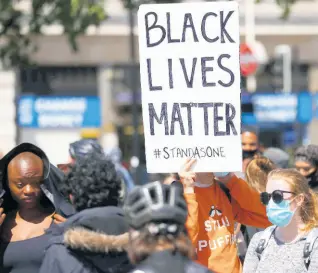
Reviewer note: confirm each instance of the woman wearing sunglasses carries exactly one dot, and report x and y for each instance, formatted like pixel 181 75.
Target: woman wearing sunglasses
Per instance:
pixel 292 208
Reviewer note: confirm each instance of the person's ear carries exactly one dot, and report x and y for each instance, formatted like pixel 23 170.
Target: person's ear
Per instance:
pixel 300 200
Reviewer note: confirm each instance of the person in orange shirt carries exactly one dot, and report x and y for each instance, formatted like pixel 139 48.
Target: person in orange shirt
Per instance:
pixel 212 215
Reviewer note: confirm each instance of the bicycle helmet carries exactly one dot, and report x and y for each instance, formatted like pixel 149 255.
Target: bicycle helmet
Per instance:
pixel 85 147
pixel 155 203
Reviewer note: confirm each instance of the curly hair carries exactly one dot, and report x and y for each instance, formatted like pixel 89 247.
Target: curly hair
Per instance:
pixel 92 182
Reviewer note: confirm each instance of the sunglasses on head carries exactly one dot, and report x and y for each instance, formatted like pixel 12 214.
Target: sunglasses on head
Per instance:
pixel 277 196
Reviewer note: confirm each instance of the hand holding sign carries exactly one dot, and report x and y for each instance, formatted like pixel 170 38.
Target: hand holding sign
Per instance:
pixel 187 177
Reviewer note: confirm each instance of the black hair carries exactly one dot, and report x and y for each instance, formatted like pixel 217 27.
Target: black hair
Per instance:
pixel 249 130
pixel 307 153
pixel 92 182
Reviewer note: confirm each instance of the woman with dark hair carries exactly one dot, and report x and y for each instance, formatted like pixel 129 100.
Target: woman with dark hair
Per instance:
pixel 88 147
pixel 159 242
pixel 94 239
pixel 306 162
pixel 30 201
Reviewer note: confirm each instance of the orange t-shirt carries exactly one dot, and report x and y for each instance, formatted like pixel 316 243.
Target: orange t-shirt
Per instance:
pixel 211 219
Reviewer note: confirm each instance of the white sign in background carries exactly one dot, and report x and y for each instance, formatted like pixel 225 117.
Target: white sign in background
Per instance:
pixel 190 80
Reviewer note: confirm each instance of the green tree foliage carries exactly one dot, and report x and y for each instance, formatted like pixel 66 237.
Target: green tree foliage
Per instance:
pixel 285 5
pixel 18 26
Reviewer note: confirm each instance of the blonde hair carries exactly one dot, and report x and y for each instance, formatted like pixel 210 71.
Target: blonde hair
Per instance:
pixel 298 183
pixel 257 171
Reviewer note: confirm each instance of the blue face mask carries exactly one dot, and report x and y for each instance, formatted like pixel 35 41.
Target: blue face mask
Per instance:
pixel 221 174
pixel 279 214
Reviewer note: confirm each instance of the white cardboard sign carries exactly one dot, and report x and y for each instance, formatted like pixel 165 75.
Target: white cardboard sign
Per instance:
pixel 190 81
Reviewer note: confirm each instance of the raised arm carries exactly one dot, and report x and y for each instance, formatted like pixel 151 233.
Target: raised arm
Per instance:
pixel 187 179
pixel 245 196
pixel 246 203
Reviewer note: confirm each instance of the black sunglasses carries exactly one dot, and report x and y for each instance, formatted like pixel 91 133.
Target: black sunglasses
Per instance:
pixel 278 196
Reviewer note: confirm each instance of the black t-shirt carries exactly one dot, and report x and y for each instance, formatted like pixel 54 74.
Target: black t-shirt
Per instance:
pixel 23 256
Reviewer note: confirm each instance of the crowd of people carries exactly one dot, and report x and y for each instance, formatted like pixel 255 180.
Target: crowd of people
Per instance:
pixel 87 215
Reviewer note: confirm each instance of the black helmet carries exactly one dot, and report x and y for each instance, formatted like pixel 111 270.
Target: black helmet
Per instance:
pixel 85 147
pixel 155 203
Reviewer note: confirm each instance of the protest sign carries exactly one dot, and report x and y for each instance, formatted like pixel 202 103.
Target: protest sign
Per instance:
pixel 190 81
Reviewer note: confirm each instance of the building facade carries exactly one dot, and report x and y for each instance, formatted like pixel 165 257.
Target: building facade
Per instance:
pixel 106 50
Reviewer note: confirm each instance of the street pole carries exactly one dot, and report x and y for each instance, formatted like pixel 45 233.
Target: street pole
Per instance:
pixel 134 88
pixel 250 37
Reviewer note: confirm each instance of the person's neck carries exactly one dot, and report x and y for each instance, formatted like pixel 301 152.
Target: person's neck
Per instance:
pixel 292 232
pixel 30 214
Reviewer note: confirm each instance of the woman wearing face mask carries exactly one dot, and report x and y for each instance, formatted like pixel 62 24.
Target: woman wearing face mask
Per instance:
pixel 290 245
pixel 306 162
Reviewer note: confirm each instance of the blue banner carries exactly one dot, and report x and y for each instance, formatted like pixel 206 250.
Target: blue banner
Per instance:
pixel 274 109
pixel 59 112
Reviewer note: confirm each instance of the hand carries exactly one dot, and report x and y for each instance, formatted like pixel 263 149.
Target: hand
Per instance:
pixel 58 219
pixel 2 217
pixel 187 177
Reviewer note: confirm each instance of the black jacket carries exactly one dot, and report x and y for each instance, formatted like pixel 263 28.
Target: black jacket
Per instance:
pixel 52 177
pixel 91 241
pixel 167 261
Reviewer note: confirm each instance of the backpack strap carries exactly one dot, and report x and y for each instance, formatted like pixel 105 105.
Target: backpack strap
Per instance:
pixel 309 246
pixel 263 242
pixel 225 190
